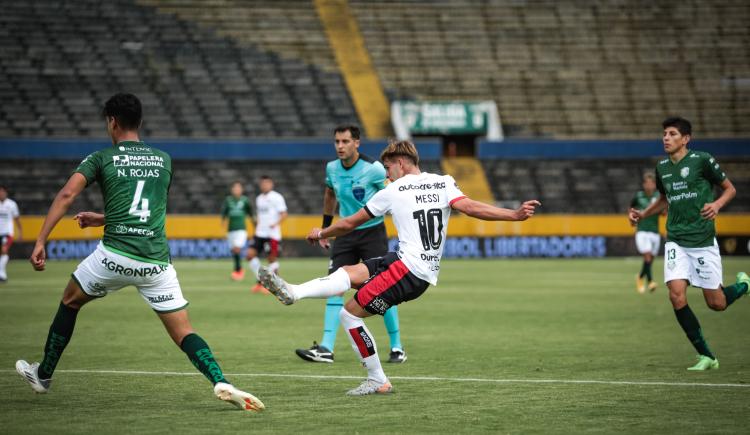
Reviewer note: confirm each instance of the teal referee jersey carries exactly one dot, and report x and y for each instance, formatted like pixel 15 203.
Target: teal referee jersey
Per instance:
pixel 354 186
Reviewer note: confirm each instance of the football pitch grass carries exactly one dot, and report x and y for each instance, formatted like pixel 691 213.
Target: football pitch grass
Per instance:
pixel 508 346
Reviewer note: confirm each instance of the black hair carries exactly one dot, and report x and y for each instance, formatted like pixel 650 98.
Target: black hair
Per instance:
pixel 266 177
pixel 353 129
pixel 681 124
pixel 126 109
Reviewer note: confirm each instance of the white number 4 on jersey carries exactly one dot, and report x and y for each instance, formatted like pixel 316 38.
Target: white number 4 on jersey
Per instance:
pixel 143 212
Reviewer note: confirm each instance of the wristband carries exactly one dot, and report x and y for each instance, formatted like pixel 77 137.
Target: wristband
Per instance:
pixel 327 220
pixel 320 235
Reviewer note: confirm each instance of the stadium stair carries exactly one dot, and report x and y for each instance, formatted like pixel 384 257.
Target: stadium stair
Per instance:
pixel 356 66
pixel 469 174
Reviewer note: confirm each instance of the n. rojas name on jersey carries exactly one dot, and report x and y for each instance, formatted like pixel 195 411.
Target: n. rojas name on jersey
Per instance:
pixel 138 166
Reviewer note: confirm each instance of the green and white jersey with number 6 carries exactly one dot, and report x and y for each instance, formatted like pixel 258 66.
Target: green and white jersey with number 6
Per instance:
pixel 688 186
pixel 134 179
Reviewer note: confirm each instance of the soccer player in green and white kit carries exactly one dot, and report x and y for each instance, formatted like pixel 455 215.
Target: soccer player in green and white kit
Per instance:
pixel 134 179
pixel 647 239
pixel 685 181
pixel 235 210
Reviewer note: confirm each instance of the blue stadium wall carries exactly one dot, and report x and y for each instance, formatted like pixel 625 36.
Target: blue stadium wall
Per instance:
pixel 430 149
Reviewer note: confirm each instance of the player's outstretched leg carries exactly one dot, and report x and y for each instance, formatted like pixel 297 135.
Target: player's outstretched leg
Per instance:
pixel 334 284
pixel 179 329
pixel 363 344
pixel 200 355
pixel 39 375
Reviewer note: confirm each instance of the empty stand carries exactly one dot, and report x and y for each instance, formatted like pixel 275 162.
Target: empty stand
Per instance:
pixel 601 69
pixel 233 68
pixel 59 61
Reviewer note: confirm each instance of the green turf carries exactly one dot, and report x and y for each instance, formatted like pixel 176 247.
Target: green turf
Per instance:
pixel 505 319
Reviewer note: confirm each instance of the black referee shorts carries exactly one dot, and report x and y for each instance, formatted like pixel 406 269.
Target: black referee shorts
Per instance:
pixel 358 245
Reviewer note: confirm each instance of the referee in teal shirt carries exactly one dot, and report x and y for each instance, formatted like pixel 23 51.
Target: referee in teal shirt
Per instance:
pixel 351 180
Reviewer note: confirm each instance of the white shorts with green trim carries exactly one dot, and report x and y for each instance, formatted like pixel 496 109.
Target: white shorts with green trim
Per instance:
pixel 700 266
pixel 237 239
pixel 104 272
pixel 647 242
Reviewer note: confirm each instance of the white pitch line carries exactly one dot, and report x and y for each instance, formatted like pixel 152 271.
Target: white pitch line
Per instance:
pixel 418 378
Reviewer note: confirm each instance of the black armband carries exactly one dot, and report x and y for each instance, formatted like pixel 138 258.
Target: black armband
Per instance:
pixel 327 220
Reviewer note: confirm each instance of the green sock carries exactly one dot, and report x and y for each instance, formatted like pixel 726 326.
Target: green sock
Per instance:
pixel 734 291
pixel 692 329
pixel 60 333
pixel 237 262
pixel 200 355
pixel 643 269
pixel 647 266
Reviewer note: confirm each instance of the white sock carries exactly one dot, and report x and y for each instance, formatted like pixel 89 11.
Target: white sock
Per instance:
pixel 254 265
pixel 363 344
pixel 332 285
pixel 274 267
pixel 3 263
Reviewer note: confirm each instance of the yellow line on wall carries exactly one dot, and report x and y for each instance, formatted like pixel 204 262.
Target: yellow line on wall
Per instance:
pixel 297 226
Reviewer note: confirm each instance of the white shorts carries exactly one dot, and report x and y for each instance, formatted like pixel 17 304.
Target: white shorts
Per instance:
pixel 700 266
pixel 237 239
pixel 647 242
pixel 104 271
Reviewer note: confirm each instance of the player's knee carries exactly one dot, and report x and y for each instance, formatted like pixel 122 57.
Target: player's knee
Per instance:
pixel 179 336
pixel 717 306
pixel 73 297
pixel 678 299
pixel 71 301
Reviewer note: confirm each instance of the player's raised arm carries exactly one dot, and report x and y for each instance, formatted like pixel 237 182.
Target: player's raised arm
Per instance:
pixel 57 210
pixel 341 227
pixel 488 212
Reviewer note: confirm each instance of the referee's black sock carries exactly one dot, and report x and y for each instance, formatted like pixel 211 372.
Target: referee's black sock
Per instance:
pixel 60 333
